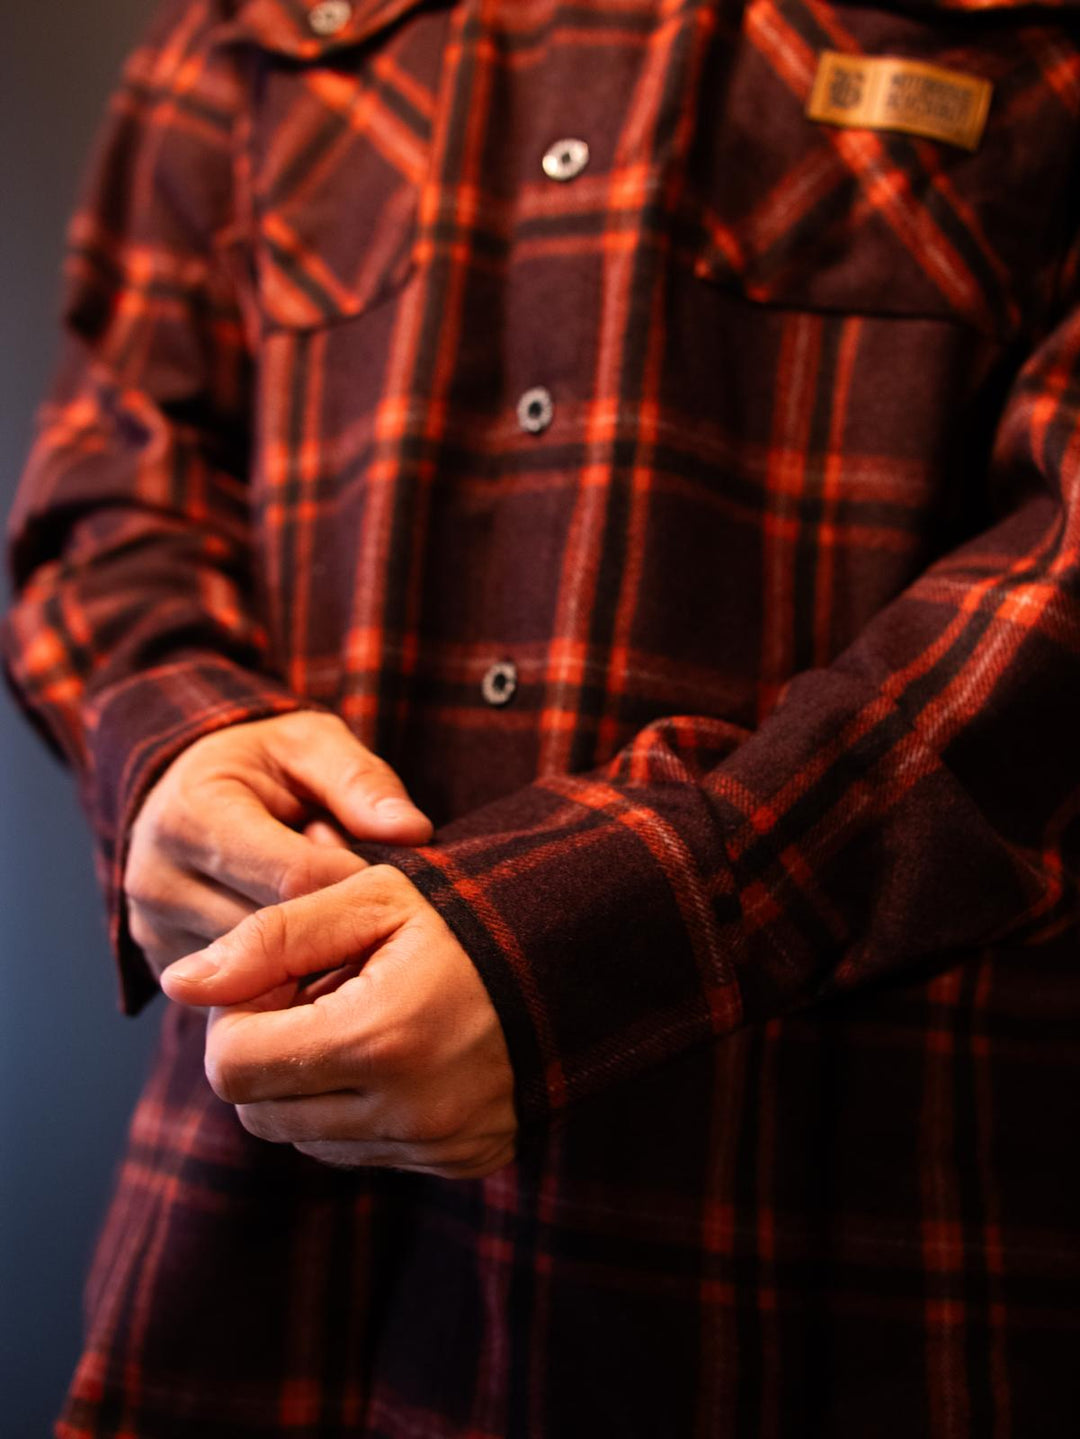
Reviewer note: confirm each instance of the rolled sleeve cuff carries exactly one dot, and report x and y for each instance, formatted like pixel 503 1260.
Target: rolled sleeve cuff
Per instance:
pixel 591 936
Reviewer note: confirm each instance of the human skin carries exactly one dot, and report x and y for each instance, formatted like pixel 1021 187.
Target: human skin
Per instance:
pixel 251 815
pixel 394 1056
pixel 401 1062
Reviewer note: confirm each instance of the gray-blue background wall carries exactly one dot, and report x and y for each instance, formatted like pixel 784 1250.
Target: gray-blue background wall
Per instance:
pixel 70 1063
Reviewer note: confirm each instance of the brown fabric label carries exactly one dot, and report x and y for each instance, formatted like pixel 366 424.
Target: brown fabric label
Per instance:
pixel 887 92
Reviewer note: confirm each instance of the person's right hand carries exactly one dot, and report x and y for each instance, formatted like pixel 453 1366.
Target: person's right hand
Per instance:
pixel 252 815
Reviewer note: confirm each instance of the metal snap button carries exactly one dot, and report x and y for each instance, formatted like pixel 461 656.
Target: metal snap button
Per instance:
pixel 565 159
pixel 535 410
pixel 500 682
pixel 330 16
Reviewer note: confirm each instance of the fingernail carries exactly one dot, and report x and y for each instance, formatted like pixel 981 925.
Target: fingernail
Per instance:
pixel 195 969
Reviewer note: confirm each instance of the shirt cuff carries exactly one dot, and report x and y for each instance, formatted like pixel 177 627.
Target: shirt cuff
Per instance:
pixel 592 933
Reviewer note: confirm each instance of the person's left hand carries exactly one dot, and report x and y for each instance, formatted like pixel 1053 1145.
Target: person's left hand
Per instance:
pixel 398 1061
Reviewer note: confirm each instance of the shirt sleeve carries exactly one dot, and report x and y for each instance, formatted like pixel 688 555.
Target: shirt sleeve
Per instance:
pixel 917 798
pixel 132 629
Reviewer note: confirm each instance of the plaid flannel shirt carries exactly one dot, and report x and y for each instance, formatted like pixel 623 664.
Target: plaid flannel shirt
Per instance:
pixel 767 848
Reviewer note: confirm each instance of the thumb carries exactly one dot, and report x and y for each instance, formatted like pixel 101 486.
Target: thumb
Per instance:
pixel 287 942
pixel 360 790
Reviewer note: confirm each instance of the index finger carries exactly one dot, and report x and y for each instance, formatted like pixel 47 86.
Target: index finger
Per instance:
pixel 257 856
pixel 254 1054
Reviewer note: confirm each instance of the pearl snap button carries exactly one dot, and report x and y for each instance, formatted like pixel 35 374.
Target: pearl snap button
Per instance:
pixel 329 17
pixel 535 410
pixel 500 682
pixel 565 159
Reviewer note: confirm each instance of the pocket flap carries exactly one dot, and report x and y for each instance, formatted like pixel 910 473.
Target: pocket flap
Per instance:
pixel 795 211
pixel 340 159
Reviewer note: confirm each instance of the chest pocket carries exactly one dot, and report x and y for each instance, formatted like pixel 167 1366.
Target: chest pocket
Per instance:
pixel 340 151
pixel 796 212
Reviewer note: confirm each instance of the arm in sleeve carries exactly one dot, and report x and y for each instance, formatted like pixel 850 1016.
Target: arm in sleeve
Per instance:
pixel 918 797
pixel 133 628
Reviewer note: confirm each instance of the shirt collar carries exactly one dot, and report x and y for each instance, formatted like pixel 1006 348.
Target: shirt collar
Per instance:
pixel 282 25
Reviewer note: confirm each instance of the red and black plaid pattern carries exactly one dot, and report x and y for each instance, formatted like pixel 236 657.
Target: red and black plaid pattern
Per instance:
pixel 770 862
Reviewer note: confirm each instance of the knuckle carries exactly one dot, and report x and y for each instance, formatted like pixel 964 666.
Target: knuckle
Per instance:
pixel 194 829
pixel 147 822
pixel 135 871
pixel 264 932
pixel 168 793
pixel 301 724
pixel 145 884
pixel 297 877
pixel 388 877
pixel 194 753
pixel 334 724
pixel 143 834
pixel 363 770
pixel 373 777
pixel 302 720
pixel 165 825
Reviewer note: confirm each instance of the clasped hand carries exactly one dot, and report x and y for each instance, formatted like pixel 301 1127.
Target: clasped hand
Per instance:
pixel 398 1059
pixel 240 867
